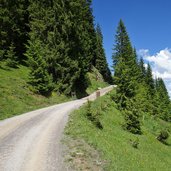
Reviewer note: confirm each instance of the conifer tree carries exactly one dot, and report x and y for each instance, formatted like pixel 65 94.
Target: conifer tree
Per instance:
pixel 163 100
pixel 13 27
pixel 11 57
pixel 86 40
pixel 124 64
pixel 37 48
pixel 142 70
pixel 141 98
pixel 73 43
pixel 39 76
pixel 100 61
pixel 125 75
pixel 150 80
pixel 65 63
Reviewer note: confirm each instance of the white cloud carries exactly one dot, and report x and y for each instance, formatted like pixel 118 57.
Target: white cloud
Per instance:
pixel 145 65
pixel 143 52
pixel 165 75
pixel 161 64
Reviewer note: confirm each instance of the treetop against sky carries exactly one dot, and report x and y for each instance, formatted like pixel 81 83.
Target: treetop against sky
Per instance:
pixel 148 24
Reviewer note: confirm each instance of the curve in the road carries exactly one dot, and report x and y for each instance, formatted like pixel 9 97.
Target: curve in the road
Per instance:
pixel 31 142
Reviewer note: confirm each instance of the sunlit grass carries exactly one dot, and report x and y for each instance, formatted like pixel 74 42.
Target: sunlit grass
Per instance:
pixel 115 144
pixel 16 96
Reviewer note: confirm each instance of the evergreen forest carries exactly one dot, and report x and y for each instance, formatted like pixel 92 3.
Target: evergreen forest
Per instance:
pixel 56 39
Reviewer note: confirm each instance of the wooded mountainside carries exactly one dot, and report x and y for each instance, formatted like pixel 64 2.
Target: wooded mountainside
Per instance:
pixel 57 39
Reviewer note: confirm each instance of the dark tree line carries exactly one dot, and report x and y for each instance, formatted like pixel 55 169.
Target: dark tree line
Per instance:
pixel 56 39
pixel 13 28
pixel 137 92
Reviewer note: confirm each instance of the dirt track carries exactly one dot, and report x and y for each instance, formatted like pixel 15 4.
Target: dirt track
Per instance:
pixel 31 142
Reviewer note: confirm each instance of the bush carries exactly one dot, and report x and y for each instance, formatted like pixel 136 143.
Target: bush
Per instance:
pixel 163 136
pixel 113 95
pixel 93 116
pixel 11 60
pixel 132 118
pixel 132 123
pixel 104 106
pixel 134 143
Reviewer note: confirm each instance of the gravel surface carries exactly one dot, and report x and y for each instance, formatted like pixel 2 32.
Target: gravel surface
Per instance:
pixel 32 141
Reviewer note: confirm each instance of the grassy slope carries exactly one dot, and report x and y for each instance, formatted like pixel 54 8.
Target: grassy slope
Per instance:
pixel 114 144
pixel 16 96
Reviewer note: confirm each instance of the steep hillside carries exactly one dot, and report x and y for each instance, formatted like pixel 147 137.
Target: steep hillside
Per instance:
pixel 112 148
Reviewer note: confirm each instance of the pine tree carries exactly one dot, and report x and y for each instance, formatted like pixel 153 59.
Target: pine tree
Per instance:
pixel 124 63
pixel 141 98
pixel 132 122
pixel 100 61
pixel 150 80
pixel 125 75
pixel 37 49
pixel 73 43
pixel 163 100
pixel 142 70
pixel 85 43
pixel 11 57
pixel 39 76
pixel 64 62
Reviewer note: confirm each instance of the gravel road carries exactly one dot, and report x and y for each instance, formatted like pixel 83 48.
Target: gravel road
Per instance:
pixel 31 142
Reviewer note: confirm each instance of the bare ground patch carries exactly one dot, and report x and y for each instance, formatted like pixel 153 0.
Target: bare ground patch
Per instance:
pixel 80 156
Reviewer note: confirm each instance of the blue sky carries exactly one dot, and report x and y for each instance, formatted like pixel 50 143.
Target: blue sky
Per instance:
pixel 148 23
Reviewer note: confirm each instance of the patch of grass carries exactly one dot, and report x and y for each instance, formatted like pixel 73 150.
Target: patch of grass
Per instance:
pixel 16 96
pixel 122 150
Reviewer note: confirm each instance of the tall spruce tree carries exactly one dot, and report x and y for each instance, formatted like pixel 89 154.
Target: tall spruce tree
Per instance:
pixel 73 39
pixel 86 37
pixel 39 76
pixel 142 70
pixel 100 61
pixel 142 90
pixel 123 63
pixel 163 100
pixel 37 49
pixel 63 64
pixel 151 96
pixel 150 80
pixel 125 69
